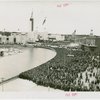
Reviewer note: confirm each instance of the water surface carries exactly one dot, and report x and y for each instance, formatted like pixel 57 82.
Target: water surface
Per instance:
pixel 31 57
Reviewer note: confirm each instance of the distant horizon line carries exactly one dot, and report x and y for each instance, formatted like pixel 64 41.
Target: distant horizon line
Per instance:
pixel 62 33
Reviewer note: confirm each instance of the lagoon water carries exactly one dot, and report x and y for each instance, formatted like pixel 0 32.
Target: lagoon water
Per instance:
pixel 15 64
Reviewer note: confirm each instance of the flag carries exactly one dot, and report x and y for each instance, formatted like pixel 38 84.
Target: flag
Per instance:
pixel 44 21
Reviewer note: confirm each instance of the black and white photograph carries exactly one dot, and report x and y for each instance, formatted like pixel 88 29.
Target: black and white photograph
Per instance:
pixel 49 49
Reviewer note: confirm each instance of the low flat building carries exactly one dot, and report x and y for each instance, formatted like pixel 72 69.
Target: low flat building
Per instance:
pixel 91 43
pixel 13 38
pixel 50 36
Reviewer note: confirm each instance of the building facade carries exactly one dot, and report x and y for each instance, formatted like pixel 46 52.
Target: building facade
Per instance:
pixel 51 37
pixel 89 43
pixel 13 38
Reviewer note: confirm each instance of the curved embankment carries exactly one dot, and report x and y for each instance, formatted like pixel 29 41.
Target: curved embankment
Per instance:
pixel 60 72
pixel 32 57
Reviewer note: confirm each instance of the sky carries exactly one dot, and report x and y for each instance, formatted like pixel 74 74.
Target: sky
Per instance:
pixel 61 16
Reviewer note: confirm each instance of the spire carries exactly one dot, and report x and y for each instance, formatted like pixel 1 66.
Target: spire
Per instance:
pixel 73 34
pixel 32 14
pixel 91 32
pixel 31 18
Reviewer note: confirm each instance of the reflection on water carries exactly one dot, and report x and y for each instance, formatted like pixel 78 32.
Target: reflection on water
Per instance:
pixel 31 57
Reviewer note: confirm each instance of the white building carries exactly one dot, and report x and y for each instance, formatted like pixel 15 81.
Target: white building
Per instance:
pixel 32 36
pixel 56 37
pixel 60 37
pixel 52 37
pixel 13 38
pixel 43 35
pixel 3 39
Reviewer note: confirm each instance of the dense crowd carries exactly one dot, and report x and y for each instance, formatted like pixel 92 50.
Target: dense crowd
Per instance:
pixel 65 72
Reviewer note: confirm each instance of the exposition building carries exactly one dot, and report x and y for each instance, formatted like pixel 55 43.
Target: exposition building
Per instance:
pixel 13 38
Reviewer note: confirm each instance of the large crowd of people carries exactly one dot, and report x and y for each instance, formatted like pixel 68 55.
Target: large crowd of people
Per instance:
pixel 69 70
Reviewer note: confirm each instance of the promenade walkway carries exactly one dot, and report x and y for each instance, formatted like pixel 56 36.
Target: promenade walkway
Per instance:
pixel 8 80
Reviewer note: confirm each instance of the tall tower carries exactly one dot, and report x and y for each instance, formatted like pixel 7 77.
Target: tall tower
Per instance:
pixel 32 22
pixel 91 32
pixel 74 36
pixel 74 33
